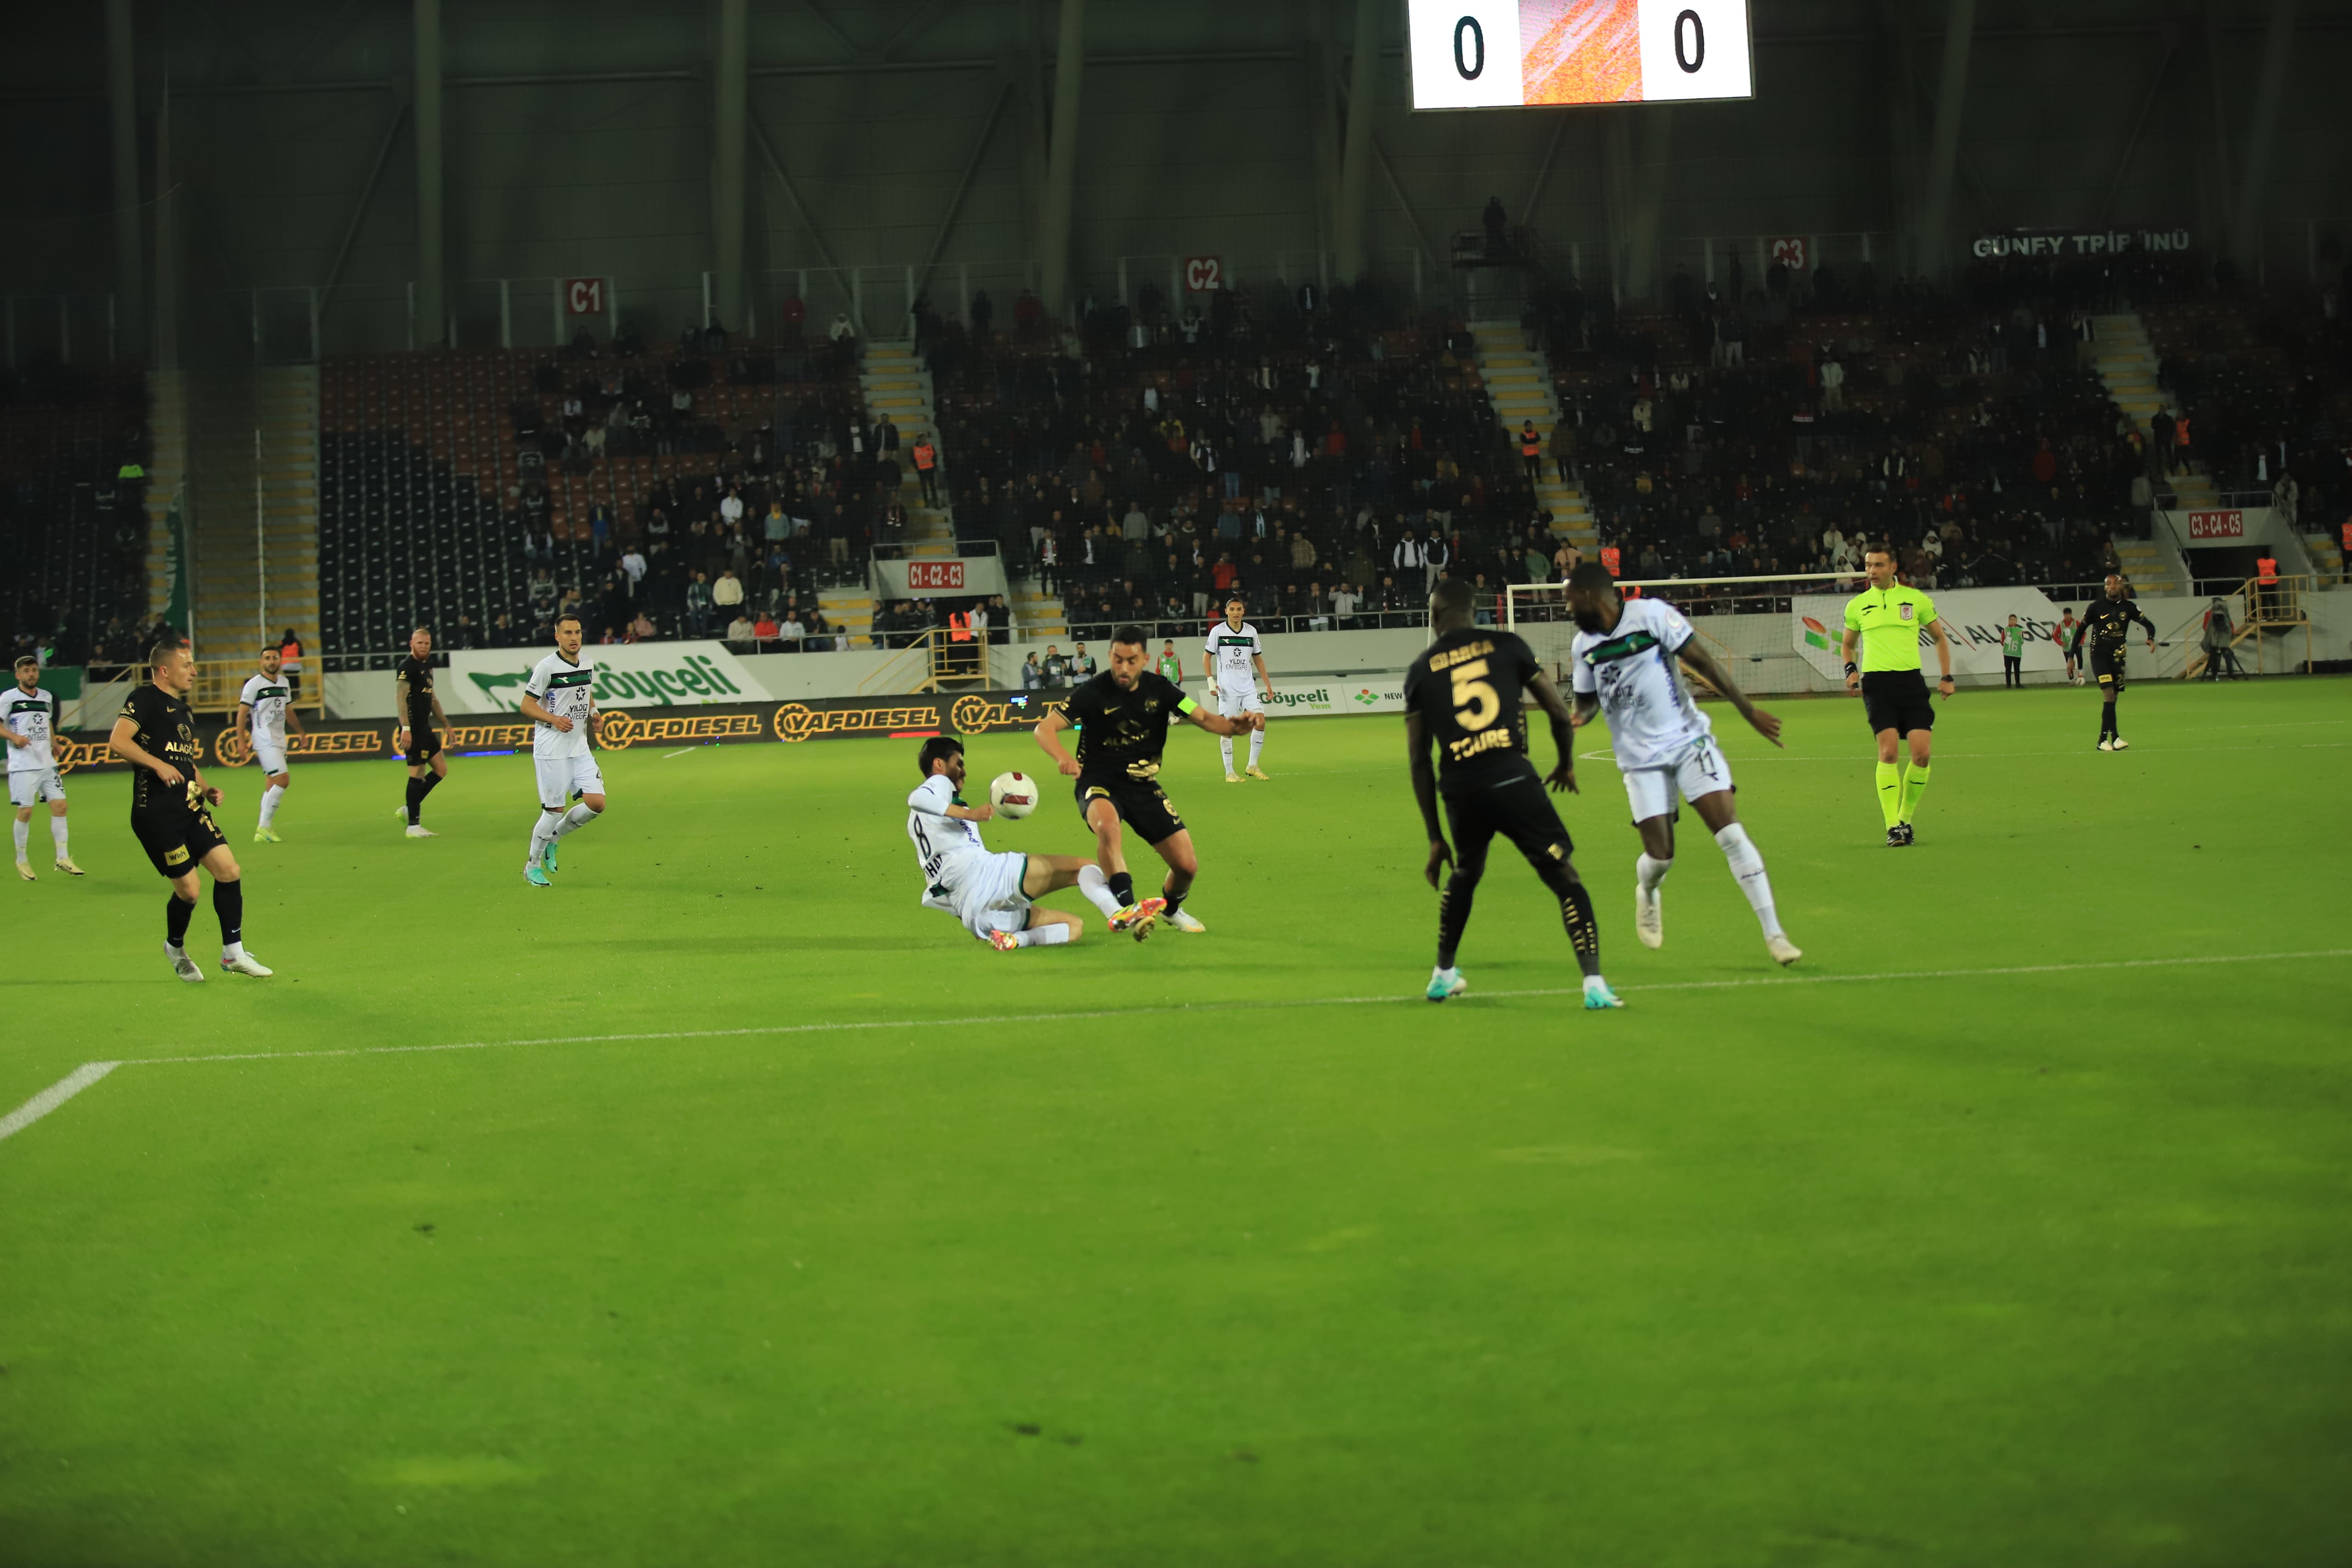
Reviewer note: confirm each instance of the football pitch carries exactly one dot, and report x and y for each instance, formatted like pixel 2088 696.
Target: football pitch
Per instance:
pixel 722 1205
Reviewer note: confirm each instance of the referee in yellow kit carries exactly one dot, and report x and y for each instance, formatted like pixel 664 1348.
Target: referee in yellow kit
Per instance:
pixel 1887 619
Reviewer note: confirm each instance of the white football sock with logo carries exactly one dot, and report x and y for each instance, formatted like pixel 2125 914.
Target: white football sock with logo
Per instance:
pixel 579 816
pixel 1226 745
pixel 1257 744
pixel 270 799
pixel 543 833
pixel 1054 935
pixel 1651 872
pixel 57 835
pixel 1097 889
pixel 25 829
pixel 1747 866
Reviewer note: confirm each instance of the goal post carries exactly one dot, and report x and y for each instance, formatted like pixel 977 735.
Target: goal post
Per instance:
pixel 1747 623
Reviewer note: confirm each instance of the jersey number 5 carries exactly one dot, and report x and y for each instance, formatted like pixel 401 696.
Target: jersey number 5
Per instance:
pixel 1476 704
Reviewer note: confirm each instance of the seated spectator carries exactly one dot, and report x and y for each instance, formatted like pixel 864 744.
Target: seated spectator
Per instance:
pixel 641 627
pixel 791 631
pixel 740 632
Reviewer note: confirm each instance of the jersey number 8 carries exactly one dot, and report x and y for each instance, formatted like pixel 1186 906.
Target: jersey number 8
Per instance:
pixel 1476 704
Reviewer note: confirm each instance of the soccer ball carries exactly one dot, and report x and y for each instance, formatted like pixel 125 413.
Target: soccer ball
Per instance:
pixel 1013 795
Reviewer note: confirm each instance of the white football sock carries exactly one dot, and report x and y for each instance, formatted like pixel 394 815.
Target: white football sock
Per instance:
pixel 1257 744
pixel 579 816
pixel 1651 872
pixel 231 952
pixel 25 834
pixel 57 835
pixel 270 799
pixel 1748 865
pixel 542 831
pixel 1226 745
pixel 1054 935
pixel 1097 889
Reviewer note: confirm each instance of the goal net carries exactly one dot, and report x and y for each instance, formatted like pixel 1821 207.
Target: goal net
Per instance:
pixel 1751 623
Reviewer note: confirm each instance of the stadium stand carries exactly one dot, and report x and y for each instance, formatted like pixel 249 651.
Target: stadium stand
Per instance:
pixel 73 533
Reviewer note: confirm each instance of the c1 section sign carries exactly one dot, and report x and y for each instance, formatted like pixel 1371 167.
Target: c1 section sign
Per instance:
pixel 1509 54
pixel 628 675
pixel 1973 622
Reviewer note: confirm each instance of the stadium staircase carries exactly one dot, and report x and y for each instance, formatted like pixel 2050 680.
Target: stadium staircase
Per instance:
pixel 236 601
pixel 2327 559
pixel 2125 357
pixel 895 383
pixel 850 610
pixel 1519 383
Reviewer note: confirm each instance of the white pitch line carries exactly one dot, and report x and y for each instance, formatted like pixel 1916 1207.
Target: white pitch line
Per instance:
pixel 56 1094
pixel 679 752
pixel 1387 997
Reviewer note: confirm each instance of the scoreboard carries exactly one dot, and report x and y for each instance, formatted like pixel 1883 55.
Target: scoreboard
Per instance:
pixel 1505 54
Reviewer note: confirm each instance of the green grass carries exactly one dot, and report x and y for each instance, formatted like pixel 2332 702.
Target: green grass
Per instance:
pixel 2041 1267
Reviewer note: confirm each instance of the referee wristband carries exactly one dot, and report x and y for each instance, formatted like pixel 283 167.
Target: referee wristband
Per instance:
pixel 1851 668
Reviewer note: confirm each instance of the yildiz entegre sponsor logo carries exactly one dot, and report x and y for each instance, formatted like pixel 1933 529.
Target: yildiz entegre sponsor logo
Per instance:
pixel 695 679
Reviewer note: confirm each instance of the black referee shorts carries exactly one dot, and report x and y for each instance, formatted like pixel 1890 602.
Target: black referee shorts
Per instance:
pixel 176 841
pixel 1897 700
pixel 2108 669
pixel 1141 804
pixel 1513 806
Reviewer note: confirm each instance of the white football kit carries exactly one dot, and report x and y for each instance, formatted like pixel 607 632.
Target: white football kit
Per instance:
pixel 1664 745
pixel 561 758
pixel 959 875
pixel 1231 654
pixel 32 767
pixel 267 697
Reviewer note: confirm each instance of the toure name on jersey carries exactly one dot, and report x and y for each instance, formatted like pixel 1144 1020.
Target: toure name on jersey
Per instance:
pixel 1500 738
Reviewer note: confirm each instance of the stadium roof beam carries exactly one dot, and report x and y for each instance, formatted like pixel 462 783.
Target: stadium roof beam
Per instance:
pixel 432 272
pixel 1356 158
pixel 730 89
pixel 359 210
pixel 792 193
pixel 2246 226
pixel 2139 124
pixel 963 186
pixel 1062 160
pixel 1944 141
pixel 123 124
pixel 914 27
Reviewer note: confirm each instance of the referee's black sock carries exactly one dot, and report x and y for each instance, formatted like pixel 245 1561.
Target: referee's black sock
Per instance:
pixel 416 799
pixel 1122 888
pixel 177 913
pixel 228 902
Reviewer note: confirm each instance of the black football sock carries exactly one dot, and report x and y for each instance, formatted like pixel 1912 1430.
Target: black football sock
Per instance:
pixel 416 799
pixel 1576 917
pixel 425 785
pixel 1122 888
pixel 1173 894
pixel 228 902
pixel 177 913
pixel 1453 916
pixel 2106 721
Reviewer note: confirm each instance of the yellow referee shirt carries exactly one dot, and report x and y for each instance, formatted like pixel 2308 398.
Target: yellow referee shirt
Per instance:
pixel 1890 621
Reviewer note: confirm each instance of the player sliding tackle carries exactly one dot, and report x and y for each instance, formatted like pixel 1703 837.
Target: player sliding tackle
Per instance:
pixel 1624 656
pixel 1122 716
pixel 1464 694
pixel 991 894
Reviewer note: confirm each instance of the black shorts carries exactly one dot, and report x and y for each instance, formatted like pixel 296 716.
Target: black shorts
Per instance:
pixel 1897 700
pixel 424 744
pixel 2108 667
pixel 176 842
pixel 1141 804
pixel 1513 806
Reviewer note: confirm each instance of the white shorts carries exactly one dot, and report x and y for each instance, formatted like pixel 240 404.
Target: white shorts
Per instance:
pixel 988 895
pixel 1701 770
pixel 560 778
pixel 30 788
pixel 1233 704
pixel 268 756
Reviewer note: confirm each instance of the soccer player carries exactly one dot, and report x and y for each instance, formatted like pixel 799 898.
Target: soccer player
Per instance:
pixel 1624 659
pixel 170 812
pixel 264 709
pixel 1887 619
pixel 1122 716
pixel 1234 663
pixel 422 725
pixel 30 725
pixel 1463 693
pixel 991 894
pixel 2106 631
pixel 559 697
